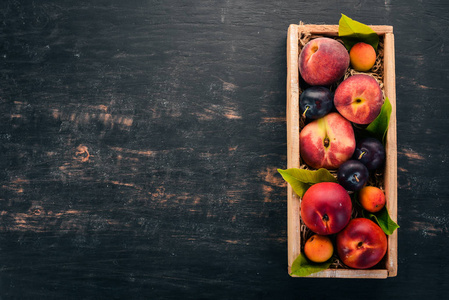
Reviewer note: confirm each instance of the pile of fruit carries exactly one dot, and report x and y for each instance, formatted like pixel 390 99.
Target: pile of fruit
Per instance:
pixel 340 99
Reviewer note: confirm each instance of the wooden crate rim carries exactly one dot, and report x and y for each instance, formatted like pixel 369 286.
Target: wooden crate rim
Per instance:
pixel 333 29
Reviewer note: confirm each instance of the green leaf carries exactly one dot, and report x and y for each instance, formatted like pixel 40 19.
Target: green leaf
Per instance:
pixel 353 32
pixel 303 267
pixel 301 179
pixel 378 128
pixel 383 219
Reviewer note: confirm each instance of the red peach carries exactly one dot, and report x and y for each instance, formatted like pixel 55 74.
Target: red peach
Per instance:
pixel 372 198
pixel 362 244
pixel 326 208
pixel 363 57
pixel 323 61
pixel 327 142
pixel 359 99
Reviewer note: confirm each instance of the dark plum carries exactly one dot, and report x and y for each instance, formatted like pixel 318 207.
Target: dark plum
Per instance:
pixel 370 152
pixel 315 102
pixel 352 175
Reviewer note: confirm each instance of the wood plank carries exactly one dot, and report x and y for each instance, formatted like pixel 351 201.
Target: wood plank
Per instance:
pixel 332 30
pixel 391 149
pixel 293 204
pixel 349 273
pixel 140 141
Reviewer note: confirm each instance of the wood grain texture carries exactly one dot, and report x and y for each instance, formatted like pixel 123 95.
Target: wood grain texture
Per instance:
pixel 293 201
pixel 391 172
pixel 139 142
pixel 332 30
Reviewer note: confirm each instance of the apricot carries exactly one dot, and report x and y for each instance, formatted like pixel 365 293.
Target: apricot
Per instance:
pixel 318 248
pixel 362 56
pixel 372 198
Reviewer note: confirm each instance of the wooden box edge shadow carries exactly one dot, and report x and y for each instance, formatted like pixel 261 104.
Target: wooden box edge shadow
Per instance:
pixel 293 156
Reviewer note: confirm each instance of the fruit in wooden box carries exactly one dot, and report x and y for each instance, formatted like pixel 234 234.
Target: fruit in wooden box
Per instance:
pixel 352 175
pixel 318 248
pixel 316 102
pixel 327 142
pixel 372 198
pixel 359 99
pixel 362 244
pixel 323 61
pixel 293 147
pixel 326 208
pixel 370 152
pixel 363 57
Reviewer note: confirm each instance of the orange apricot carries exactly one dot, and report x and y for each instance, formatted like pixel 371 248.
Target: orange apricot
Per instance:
pixel 318 248
pixel 362 56
pixel 372 198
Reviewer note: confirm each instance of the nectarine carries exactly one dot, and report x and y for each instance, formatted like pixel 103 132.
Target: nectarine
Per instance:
pixel 326 208
pixel 362 244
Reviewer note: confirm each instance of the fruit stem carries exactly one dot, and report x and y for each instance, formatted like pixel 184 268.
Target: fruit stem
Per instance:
pixel 356 179
pixel 304 113
pixel 361 154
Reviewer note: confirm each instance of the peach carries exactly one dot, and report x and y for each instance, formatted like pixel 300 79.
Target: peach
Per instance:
pixel 372 198
pixel 359 99
pixel 318 248
pixel 323 61
pixel 327 142
pixel 362 56
pixel 326 208
pixel 362 244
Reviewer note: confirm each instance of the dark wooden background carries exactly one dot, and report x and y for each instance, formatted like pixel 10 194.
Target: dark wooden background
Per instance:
pixel 140 142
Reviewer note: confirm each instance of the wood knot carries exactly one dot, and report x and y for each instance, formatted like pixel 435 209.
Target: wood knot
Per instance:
pixel 82 153
pixel 37 210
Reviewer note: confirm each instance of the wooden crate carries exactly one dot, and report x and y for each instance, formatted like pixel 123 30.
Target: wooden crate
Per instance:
pixel 293 153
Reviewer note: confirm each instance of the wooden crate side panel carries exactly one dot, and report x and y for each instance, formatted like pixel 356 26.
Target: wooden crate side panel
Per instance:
pixel 350 273
pixel 293 206
pixel 332 30
pixel 391 149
